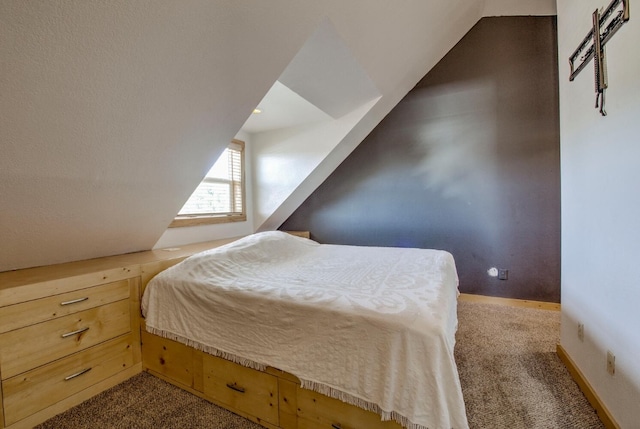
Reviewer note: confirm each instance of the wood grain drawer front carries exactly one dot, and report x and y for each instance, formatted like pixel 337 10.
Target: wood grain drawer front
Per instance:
pixel 26 348
pixel 35 390
pixel 241 388
pixel 169 358
pixel 317 411
pixel 40 310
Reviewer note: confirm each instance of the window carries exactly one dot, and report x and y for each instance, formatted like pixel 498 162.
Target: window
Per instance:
pixel 220 196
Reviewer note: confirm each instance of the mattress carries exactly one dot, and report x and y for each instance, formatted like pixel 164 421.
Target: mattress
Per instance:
pixel 371 326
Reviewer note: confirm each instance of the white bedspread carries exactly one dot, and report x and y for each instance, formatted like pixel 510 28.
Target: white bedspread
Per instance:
pixel 371 326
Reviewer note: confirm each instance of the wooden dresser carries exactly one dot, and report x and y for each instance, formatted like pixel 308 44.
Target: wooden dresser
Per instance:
pixel 71 331
pixel 67 332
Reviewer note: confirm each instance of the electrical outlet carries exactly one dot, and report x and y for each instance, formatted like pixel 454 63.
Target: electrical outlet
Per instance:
pixel 581 331
pixel 611 363
pixel 503 274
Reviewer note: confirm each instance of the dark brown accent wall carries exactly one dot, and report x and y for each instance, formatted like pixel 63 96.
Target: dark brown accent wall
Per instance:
pixel 468 161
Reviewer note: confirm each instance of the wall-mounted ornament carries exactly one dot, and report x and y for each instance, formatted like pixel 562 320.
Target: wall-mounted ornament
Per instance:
pixel 604 26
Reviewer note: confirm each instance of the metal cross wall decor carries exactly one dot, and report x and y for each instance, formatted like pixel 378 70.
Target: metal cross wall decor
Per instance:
pixel 604 26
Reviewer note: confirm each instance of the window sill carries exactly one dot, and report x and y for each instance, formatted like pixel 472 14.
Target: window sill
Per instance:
pixel 184 221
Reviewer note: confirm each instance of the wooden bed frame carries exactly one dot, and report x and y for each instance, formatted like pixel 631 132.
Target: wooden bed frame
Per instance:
pixel 271 398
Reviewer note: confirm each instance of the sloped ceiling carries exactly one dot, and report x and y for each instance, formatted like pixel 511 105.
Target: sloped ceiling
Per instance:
pixel 284 109
pixel 112 112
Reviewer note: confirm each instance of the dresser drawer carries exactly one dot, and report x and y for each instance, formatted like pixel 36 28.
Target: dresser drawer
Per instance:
pixel 40 310
pixel 316 411
pixel 243 389
pixel 35 390
pixel 26 348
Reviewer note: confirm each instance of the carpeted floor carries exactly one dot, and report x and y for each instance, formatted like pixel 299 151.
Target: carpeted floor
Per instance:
pixel 511 379
pixel 510 373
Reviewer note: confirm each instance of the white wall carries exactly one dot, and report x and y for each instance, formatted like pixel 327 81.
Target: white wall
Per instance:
pixel 600 163
pixel 284 159
pixel 112 111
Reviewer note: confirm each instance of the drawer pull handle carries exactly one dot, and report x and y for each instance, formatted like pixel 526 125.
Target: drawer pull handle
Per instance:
pixel 336 426
pixel 235 387
pixel 74 301
pixel 71 334
pixel 77 374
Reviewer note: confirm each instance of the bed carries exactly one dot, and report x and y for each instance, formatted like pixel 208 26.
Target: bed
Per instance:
pixel 370 327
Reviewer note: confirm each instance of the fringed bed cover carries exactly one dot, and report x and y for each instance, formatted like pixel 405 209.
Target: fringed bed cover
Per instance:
pixel 371 326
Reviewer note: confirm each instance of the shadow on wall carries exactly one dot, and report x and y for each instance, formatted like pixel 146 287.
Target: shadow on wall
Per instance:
pixel 455 140
pixel 437 148
pixel 467 162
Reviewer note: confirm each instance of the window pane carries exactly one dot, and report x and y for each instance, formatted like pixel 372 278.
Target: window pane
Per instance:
pixel 221 190
pixel 209 198
pixel 220 169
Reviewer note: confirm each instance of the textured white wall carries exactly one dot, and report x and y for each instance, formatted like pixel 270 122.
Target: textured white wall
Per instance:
pixel 113 111
pixel 601 212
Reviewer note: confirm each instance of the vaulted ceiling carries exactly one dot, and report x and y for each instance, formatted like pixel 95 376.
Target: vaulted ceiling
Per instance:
pixel 112 112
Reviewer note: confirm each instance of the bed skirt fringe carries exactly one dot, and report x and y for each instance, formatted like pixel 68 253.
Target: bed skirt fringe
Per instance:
pixel 305 384
pixel 207 349
pixel 360 403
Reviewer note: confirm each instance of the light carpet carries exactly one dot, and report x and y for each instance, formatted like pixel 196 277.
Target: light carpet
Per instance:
pixel 511 379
